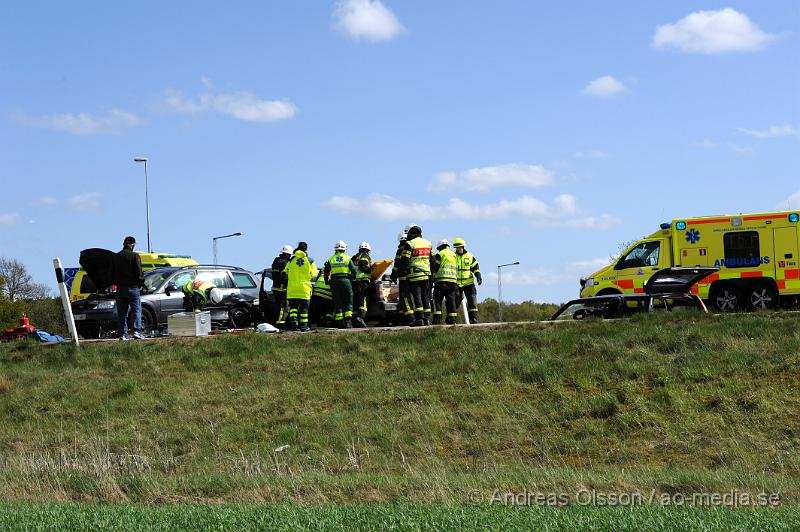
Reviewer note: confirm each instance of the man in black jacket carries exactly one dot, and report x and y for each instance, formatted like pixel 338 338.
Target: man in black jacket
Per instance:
pixel 128 277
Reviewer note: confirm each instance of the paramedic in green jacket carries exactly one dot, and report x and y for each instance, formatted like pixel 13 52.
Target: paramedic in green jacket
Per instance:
pixel 340 272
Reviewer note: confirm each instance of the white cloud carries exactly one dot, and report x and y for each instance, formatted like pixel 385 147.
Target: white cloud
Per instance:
pixel 590 154
pixel 240 105
pixel 44 201
pixel 367 20
pixel 569 272
pixel 563 211
pixel 792 202
pixel 785 130
pixel 589 265
pixel 706 143
pixel 7 219
pixel 489 177
pixel 87 202
pixel 712 32
pixel 604 87
pixel 114 122
pixel 535 277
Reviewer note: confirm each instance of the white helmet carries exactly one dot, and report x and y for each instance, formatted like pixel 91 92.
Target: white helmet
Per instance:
pixel 401 236
pixel 443 242
pixel 216 295
pixel 287 249
pixel 340 246
pixel 365 245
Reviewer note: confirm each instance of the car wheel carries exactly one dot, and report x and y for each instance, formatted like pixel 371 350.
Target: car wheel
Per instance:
pixel 726 299
pixel 148 320
pixel 762 297
pixel 239 317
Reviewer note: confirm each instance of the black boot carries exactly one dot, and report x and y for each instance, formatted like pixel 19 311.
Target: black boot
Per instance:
pixel 450 320
pixel 348 324
pixel 473 317
pixel 437 319
pixel 340 324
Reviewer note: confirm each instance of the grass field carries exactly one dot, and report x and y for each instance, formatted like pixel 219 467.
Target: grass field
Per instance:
pixel 691 404
pixel 383 517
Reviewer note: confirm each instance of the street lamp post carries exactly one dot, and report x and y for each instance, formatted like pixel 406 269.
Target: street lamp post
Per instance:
pixel 146 198
pixel 219 238
pixel 500 289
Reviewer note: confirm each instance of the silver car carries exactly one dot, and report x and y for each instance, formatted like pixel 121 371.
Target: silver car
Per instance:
pixel 96 316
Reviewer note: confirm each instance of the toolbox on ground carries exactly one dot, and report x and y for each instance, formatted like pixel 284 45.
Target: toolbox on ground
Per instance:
pixel 189 323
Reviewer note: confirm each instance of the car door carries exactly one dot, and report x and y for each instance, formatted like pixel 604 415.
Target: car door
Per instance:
pixel 173 303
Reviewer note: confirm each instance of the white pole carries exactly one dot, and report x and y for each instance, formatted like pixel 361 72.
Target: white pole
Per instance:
pixel 62 287
pixel 499 295
pixel 147 201
pixel 464 310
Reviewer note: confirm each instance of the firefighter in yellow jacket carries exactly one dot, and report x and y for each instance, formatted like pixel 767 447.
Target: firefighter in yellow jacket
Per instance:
pixel 445 287
pixel 415 263
pixel 197 293
pixel 299 271
pixel 467 269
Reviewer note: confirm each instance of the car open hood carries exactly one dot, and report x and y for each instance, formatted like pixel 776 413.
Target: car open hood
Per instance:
pixel 99 265
pixel 676 280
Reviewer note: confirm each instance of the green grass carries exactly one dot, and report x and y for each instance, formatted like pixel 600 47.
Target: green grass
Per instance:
pixel 382 517
pixel 682 404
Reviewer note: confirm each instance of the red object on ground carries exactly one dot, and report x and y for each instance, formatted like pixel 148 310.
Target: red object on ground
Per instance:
pixel 22 331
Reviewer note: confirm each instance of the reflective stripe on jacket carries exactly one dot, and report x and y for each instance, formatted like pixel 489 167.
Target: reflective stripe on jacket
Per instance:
pixel 200 288
pixel 363 262
pixel 338 265
pixel 419 259
pixel 448 266
pixel 467 266
pixel 322 289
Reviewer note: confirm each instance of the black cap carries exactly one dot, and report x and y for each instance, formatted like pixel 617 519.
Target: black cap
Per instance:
pixel 128 240
pixel 302 246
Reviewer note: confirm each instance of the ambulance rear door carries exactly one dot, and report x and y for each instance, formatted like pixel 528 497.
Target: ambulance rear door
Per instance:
pixel 787 262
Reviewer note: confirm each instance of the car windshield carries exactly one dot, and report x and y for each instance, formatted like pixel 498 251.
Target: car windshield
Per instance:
pixel 154 279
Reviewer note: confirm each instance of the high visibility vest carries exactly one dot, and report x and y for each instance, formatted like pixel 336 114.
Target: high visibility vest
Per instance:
pixel 466 263
pixel 419 265
pixel 448 266
pixel 300 270
pixel 322 289
pixel 200 288
pixel 357 259
pixel 340 264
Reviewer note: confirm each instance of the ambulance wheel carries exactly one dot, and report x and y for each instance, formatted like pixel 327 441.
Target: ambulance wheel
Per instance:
pixel 762 297
pixel 608 292
pixel 239 317
pixel 726 298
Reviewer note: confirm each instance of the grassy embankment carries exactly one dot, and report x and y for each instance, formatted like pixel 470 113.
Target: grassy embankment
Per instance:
pixel 679 405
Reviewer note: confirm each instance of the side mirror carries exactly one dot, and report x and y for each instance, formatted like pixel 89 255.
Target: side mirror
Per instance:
pixel 170 288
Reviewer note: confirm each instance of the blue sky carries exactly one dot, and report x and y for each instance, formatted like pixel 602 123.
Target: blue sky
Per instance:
pixel 543 132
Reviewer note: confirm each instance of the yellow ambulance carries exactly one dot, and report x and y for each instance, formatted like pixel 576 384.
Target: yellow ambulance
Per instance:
pixel 82 286
pixel 757 255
